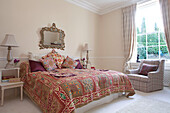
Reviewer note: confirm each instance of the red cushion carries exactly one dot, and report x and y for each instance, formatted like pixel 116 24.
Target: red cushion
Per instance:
pixel 146 68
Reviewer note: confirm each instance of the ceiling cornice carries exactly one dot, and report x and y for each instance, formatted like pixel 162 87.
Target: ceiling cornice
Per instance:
pixel 86 5
pixel 103 10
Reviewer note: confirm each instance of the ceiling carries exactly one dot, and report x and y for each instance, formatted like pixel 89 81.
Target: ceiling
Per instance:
pixel 103 6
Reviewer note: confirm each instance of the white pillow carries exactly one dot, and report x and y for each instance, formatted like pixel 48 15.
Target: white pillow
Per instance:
pixel 35 57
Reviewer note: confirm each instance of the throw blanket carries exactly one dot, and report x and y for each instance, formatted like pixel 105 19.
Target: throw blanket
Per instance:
pixel 63 90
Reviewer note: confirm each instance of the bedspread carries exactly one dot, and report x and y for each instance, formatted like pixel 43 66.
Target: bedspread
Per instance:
pixel 63 90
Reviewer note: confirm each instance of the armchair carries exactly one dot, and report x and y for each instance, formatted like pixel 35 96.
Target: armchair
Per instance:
pixel 153 81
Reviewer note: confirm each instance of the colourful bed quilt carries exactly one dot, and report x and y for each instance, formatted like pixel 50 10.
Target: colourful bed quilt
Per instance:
pixel 63 90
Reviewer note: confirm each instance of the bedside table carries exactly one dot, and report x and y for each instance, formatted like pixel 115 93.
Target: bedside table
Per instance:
pixel 9 85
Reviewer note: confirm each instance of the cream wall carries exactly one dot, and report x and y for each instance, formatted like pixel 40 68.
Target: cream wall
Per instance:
pixel 25 18
pixel 110 43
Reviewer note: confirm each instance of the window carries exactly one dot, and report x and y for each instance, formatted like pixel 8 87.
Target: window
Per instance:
pixel 151 43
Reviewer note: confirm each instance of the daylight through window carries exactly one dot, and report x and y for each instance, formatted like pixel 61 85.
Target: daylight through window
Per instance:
pixel 151 43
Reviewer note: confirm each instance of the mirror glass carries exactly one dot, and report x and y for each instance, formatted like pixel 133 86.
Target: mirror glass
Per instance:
pixel 52 37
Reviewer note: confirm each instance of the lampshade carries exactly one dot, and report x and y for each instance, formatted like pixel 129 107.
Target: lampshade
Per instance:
pixel 9 41
pixel 86 47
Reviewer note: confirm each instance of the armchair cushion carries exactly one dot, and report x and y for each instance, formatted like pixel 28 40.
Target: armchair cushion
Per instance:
pixel 146 68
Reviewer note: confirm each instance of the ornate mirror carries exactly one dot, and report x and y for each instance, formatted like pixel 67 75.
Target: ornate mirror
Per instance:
pixel 52 37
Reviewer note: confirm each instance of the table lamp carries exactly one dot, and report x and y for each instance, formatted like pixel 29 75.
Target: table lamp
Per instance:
pixel 86 48
pixel 9 42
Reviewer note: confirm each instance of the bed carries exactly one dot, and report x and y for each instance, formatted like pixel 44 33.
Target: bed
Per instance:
pixel 66 90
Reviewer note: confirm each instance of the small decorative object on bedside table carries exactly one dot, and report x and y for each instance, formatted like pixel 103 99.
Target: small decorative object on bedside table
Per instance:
pixel 83 62
pixel 11 82
pixel 93 68
pixel 9 42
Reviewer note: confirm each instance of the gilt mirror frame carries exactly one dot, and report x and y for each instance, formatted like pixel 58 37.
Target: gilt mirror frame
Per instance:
pixel 52 29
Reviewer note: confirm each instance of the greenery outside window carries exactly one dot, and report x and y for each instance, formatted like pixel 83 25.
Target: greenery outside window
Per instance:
pixel 151 42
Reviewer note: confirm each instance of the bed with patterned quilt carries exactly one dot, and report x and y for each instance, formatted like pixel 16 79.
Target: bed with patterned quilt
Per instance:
pixel 64 90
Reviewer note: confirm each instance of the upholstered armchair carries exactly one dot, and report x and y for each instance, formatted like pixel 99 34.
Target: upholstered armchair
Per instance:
pixel 152 81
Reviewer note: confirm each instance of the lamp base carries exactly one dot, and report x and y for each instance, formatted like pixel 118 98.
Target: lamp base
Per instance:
pixel 9 65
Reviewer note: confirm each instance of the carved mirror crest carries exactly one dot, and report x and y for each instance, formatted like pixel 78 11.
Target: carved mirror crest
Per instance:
pixel 52 37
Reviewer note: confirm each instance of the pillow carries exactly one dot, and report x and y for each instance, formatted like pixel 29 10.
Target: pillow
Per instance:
pixel 69 63
pixel 35 57
pixel 48 55
pixel 58 59
pixel 146 68
pixel 36 66
pixel 48 63
pixel 79 65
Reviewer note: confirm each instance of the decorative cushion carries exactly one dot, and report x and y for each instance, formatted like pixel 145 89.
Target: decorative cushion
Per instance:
pixel 79 65
pixel 36 66
pixel 69 63
pixel 48 55
pixel 59 59
pixel 146 68
pixel 48 63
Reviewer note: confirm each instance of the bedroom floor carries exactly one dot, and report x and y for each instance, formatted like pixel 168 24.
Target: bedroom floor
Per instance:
pixel 14 105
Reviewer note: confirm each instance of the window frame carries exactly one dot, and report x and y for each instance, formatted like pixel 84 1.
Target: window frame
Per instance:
pixel 146 35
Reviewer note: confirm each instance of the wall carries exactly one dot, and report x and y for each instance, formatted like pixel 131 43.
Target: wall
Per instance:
pixel 110 43
pixel 25 18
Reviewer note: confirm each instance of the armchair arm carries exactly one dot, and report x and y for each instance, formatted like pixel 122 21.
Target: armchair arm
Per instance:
pixel 155 74
pixel 133 71
pixel 159 72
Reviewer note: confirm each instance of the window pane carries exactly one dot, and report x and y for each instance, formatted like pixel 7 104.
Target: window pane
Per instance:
pixel 142 52
pixel 162 39
pixel 164 52
pixel 141 41
pixel 153 52
pixel 152 39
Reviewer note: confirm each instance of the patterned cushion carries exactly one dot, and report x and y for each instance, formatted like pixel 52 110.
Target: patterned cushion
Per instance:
pixel 59 59
pixel 146 68
pixel 69 63
pixel 48 55
pixel 48 63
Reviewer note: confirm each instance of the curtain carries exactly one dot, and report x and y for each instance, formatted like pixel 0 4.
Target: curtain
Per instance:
pixel 165 8
pixel 129 33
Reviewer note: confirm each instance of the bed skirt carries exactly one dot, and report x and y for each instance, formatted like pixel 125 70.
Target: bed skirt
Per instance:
pixel 99 102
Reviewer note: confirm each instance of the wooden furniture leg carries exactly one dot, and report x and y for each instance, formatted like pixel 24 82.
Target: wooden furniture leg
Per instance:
pixel 2 96
pixel 21 92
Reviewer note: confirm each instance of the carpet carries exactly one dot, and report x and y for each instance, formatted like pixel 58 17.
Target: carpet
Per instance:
pixel 145 105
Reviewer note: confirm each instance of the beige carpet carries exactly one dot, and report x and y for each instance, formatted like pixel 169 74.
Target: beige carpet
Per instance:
pixel 145 105
pixel 14 105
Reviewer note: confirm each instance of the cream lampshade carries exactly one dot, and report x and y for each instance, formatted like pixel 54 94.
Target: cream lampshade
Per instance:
pixel 9 42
